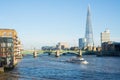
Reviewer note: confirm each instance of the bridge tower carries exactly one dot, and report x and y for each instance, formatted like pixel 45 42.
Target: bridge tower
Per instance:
pixel 57 54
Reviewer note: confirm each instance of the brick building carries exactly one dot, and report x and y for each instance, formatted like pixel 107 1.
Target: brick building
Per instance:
pixel 10 45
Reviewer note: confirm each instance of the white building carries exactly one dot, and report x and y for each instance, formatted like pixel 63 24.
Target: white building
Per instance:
pixel 62 45
pixel 105 36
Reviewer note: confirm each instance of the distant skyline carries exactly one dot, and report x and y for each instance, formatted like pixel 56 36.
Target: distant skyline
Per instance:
pixel 47 22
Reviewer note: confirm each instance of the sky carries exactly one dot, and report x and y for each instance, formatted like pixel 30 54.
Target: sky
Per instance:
pixel 47 22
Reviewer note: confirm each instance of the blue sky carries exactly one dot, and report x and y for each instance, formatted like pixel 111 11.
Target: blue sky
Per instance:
pixel 47 22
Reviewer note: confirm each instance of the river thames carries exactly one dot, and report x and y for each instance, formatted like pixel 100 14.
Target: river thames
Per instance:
pixel 46 67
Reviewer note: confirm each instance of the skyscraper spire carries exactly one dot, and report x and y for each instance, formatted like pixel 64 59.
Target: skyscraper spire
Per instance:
pixel 89 32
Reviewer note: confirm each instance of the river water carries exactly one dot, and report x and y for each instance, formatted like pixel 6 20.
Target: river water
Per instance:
pixel 46 67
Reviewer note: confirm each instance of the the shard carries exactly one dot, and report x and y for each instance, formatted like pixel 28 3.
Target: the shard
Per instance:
pixel 89 31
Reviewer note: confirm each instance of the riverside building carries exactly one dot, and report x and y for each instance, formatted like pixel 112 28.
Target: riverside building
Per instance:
pixel 105 36
pixel 10 46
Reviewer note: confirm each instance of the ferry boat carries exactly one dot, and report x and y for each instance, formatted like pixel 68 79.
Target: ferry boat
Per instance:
pixel 78 60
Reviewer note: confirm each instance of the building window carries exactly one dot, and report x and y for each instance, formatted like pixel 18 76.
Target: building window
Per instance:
pixel 9 44
pixel 4 34
pixel 3 45
pixel 10 34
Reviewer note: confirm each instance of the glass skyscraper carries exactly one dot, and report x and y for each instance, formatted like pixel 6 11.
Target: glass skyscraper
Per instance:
pixel 89 32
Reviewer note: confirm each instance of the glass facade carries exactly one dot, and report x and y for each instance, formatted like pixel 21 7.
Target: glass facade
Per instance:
pixel 89 32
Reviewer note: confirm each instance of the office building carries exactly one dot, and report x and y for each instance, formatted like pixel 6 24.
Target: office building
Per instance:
pixel 89 31
pixel 82 43
pixel 105 36
pixel 62 45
